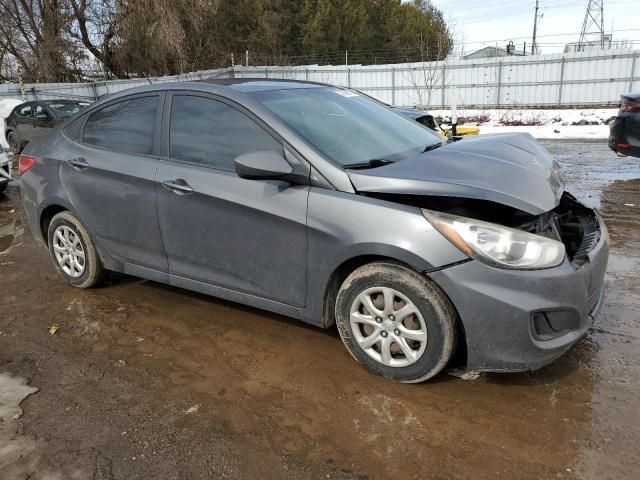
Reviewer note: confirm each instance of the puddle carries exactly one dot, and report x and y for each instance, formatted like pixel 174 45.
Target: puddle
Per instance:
pixel 11 228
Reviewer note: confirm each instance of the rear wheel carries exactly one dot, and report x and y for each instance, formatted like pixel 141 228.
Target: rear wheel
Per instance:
pixel 73 252
pixel 14 142
pixel 396 322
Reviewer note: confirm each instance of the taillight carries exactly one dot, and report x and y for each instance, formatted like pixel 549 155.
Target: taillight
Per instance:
pixel 629 105
pixel 25 163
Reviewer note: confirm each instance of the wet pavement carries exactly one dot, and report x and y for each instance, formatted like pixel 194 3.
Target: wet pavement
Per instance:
pixel 142 380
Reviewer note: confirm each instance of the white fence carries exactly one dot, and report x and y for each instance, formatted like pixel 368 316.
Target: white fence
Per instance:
pixel 558 80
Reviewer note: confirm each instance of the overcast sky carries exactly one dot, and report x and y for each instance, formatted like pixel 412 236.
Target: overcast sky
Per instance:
pixel 498 21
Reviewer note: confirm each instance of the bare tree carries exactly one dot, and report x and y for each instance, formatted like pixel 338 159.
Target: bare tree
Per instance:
pixel 93 24
pixel 31 32
pixel 426 78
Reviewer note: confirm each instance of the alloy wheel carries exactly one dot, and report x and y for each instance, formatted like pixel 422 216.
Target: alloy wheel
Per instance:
pixel 388 326
pixel 69 251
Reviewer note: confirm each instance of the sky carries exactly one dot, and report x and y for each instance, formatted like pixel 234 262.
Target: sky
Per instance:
pixel 479 23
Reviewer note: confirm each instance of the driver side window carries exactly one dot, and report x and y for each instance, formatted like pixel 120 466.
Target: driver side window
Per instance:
pixel 40 110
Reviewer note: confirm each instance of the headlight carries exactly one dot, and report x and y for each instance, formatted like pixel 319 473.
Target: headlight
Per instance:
pixel 497 245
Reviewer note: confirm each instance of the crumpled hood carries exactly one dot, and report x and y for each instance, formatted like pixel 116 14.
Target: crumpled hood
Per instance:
pixel 510 168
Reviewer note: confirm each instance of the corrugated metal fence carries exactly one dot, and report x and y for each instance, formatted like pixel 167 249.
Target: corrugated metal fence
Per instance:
pixel 594 78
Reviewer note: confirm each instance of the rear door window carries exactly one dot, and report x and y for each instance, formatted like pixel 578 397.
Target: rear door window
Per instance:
pixel 212 133
pixel 126 126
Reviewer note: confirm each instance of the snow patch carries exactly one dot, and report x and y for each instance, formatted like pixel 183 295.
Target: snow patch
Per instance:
pixel 547 124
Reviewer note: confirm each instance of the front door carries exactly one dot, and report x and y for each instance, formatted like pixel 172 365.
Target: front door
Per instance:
pixel 244 235
pixel 110 178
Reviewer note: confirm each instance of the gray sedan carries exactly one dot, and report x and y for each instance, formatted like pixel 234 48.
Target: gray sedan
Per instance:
pixel 318 203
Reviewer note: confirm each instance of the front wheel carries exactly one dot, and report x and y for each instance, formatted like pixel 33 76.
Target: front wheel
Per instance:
pixel 396 322
pixel 73 252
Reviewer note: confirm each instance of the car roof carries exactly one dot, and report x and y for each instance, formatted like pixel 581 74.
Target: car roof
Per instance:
pixel 230 87
pixel 260 84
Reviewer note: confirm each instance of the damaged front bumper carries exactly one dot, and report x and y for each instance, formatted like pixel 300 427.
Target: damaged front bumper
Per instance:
pixel 517 320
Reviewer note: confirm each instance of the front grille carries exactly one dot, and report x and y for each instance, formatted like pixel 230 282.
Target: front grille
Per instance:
pixel 589 241
pixel 578 228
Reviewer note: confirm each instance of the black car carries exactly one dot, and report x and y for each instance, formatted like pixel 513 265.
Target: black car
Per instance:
pixel 624 137
pixel 419 116
pixel 32 120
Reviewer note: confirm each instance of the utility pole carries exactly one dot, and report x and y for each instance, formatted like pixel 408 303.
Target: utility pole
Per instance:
pixel 233 67
pixel 535 28
pixel 22 93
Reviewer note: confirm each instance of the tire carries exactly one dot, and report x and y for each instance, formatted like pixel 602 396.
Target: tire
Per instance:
pixel 3 187
pixel 434 316
pixel 70 228
pixel 14 142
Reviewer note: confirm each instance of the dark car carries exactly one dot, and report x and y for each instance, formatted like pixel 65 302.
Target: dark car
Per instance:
pixel 624 136
pixel 318 203
pixel 32 120
pixel 419 116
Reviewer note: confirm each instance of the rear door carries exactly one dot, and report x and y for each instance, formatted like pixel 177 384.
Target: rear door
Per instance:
pixel 244 235
pixel 110 178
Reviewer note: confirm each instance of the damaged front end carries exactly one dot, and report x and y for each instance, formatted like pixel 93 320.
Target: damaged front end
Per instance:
pixel 570 223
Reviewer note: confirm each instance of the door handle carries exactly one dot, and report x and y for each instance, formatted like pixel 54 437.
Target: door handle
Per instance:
pixel 178 186
pixel 78 163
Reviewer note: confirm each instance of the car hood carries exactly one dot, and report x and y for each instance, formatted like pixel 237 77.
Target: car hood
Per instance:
pixel 510 168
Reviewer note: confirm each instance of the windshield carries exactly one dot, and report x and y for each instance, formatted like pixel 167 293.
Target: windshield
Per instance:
pixel 347 127
pixel 66 109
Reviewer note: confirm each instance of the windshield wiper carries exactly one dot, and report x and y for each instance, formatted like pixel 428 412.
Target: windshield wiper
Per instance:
pixel 373 163
pixel 433 146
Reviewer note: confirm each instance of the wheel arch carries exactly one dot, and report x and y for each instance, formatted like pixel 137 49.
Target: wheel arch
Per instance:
pixel 47 215
pixel 342 271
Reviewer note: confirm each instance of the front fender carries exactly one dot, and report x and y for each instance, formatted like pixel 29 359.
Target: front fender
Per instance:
pixel 345 226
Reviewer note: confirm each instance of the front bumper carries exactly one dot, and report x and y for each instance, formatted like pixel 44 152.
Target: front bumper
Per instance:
pixel 501 309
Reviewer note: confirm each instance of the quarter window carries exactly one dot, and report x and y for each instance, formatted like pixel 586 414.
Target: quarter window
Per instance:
pixel 125 126
pixel 212 133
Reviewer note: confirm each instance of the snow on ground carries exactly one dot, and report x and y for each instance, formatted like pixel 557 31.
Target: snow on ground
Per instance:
pixel 548 124
pixel 550 132
pixel 6 105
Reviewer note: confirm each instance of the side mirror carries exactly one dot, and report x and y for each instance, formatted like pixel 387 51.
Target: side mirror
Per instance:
pixel 42 116
pixel 262 165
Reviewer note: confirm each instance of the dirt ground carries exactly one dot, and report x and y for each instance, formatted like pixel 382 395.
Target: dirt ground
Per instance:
pixel 146 381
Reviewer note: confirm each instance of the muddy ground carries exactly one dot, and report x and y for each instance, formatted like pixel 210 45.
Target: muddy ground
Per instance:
pixel 146 381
